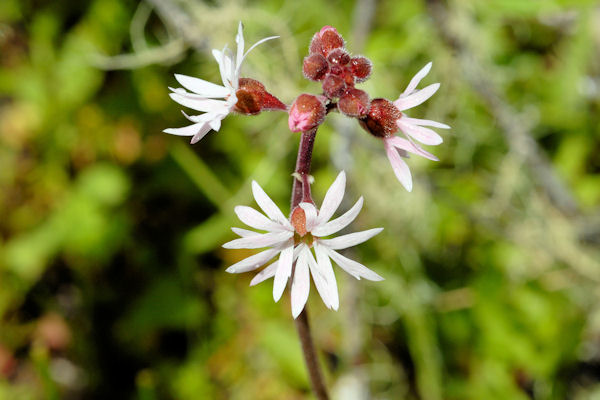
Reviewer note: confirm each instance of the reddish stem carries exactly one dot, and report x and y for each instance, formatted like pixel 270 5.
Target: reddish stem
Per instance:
pixel 301 192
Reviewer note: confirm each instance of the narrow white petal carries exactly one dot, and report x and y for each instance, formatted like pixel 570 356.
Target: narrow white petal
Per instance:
pixel 327 270
pixel 416 79
pixel 268 206
pixel 215 123
pixel 339 223
pixel 352 267
pixel 240 61
pixel 259 241
pixel 202 87
pixel 198 103
pixel 265 273
pixel 320 280
pixel 300 283
pixel 398 165
pixel 425 122
pixel 284 270
pixel 349 240
pixel 333 198
pixel 256 220
pixel 403 144
pixel 310 211
pixel 201 133
pixel 253 262
pixel 189 130
pixel 199 118
pixel 423 135
pixel 239 39
pixel 244 232
pixel 416 98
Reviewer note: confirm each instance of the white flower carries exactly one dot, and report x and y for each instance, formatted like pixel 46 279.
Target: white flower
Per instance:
pixel 292 240
pixel 413 128
pixel 205 94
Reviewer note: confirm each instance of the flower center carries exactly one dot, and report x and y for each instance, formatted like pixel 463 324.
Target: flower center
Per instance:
pixel 298 220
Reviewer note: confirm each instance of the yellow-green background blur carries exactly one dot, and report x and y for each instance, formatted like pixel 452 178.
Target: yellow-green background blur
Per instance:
pixel 112 275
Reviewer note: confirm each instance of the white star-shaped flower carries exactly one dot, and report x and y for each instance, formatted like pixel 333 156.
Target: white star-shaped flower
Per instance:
pixel 413 128
pixel 292 240
pixel 204 95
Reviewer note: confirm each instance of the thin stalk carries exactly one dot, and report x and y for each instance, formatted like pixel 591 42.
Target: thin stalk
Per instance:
pixel 299 190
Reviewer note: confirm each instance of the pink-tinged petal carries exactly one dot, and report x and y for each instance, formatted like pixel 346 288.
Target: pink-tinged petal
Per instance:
pixel 320 280
pixel 189 130
pixel 300 283
pixel 425 122
pixel 416 79
pixel 244 232
pixel 268 206
pixel 339 223
pixel 423 135
pixel 256 220
pixel 333 198
pixel 398 165
pixel 403 144
pixel 200 104
pixel 201 133
pixel 202 87
pixel 265 273
pixel 310 211
pixel 253 262
pixel 352 267
pixel 327 270
pixel 284 270
pixel 256 242
pixel 349 240
pixel 416 98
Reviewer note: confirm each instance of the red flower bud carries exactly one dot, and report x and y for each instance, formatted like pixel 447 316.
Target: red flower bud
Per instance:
pixel 326 40
pixel 315 67
pixel 253 98
pixel 354 103
pixel 338 57
pixel 333 86
pixel 381 118
pixel 330 39
pixel 361 68
pixel 306 112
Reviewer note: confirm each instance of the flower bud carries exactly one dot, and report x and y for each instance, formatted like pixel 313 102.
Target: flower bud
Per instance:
pixel 253 98
pixel 361 68
pixel 326 40
pixel 306 112
pixel 333 86
pixel 315 67
pixel 354 103
pixel 330 39
pixel 338 57
pixel 381 118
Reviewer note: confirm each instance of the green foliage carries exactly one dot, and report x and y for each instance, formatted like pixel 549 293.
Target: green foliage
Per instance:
pixel 112 280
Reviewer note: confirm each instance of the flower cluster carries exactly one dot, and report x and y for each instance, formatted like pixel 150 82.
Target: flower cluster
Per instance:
pixel 292 240
pixel 300 242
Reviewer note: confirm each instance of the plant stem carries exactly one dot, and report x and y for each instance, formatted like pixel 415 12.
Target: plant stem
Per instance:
pixel 307 141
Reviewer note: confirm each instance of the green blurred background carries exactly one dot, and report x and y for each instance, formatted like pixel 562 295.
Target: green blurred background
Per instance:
pixel 112 282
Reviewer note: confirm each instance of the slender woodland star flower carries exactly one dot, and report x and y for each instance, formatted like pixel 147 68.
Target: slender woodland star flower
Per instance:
pixel 292 240
pixel 203 95
pixel 385 118
pixel 413 128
